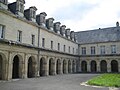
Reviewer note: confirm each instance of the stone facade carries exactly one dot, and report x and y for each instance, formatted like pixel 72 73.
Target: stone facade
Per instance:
pixel 33 46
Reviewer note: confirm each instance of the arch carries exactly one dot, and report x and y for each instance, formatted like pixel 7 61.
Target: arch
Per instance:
pixel 69 66
pixel 31 67
pixel 114 66
pixel 64 66
pixel 93 66
pixel 16 67
pixel 2 66
pixel 58 67
pixel 103 66
pixel 51 66
pixel 43 65
pixel 84 66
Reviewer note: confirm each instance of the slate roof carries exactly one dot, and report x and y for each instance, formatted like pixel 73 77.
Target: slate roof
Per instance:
pixel 99 35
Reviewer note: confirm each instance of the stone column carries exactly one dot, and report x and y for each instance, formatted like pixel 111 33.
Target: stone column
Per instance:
pixel 108 65
pixel 46 67
pixel 88 66
pixel 22 70
pixel 98 65
pixel 10 66
pixel 25 66
pixel 118 65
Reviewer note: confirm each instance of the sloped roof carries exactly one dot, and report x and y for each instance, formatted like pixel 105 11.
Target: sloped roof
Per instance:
pixel 99 35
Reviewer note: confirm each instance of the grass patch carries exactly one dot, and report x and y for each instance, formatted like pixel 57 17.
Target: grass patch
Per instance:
pixel 109 80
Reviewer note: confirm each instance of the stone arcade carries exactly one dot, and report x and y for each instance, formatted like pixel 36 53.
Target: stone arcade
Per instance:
pixel 33 46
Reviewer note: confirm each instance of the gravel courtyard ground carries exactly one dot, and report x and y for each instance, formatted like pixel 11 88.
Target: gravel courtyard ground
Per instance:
pixel 58 82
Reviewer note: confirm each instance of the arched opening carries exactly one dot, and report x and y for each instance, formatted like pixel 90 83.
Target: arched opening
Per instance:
pixel 51 67
pixel 103 66
pixel 31 68
pixel 84 66
pixel 42 66
pixel 1 67
pixel 114 66
pixel 93 66
pixel 69 66
pixel 64 66
pixel 15 70
pixel 58 67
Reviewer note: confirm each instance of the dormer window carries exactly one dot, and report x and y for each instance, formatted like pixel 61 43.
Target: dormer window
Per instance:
pixel 21 7
pixel 3 1
pixel 33 14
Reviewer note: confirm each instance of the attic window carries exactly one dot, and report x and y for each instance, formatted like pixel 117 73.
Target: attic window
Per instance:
pixel 21 7
pixel 33 14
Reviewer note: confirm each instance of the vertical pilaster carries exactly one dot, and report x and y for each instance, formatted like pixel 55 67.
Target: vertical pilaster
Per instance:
pixel 108 66
pixel 98 66
pixel 88 66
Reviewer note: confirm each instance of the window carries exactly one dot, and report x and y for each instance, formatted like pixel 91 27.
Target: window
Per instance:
pixel 83 50
pixel 33 39
pixel 19 36
pixel 58 46
pixel 21 7
pixel 73 50
pixel 33 14
pixel 113 49
pixel 51 44
pixel 43 42
pixel 69 49
pixel 92 50
pixel 64 48
pixel 2 31
pixel 102 49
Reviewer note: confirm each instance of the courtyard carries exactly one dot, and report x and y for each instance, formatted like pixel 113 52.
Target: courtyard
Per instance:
pixel 58 82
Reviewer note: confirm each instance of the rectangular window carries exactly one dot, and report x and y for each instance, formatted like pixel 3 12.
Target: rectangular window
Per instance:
pixel 43 42
pixel 73 50
pixel 113 49
pixel 69 49
pixel 58 46
pixel 102 49
pixel 21 7
pixel 33 39
pixel 92 50
pixel 2 31
pixel 51 44
pixel 19 36
pixel 64 48
pixel 83 50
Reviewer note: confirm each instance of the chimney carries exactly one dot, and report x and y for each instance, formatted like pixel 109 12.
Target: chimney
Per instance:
pixel 62 30
pixel 40 19
pixel 57 27
pixel 117 24
pixel 49 23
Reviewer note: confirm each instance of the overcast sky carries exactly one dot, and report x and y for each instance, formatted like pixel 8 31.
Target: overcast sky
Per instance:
pixel 79 15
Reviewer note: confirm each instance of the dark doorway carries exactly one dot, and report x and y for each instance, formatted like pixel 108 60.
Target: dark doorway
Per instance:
pixel 15 71
pixel 30 68
pixel 103 66
pixel 114 66
pixel 42 66
pixel 69 66
pixel 58 66
pixel 64 66
pixel 93 66
pixel 84 66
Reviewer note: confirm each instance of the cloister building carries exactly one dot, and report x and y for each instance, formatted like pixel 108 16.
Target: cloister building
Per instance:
pixel 33 46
